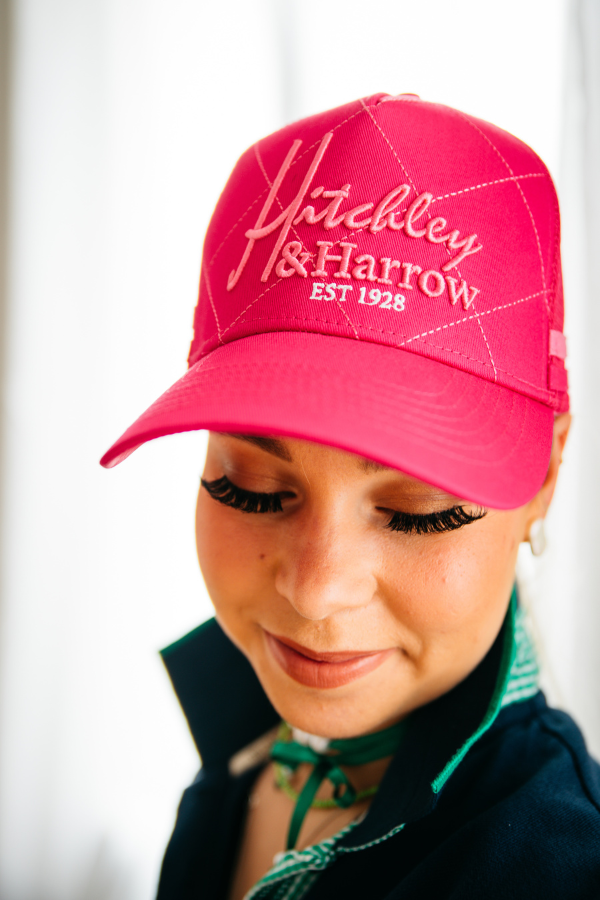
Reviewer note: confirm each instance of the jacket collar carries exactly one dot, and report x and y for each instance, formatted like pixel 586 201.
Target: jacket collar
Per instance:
pixel 227 709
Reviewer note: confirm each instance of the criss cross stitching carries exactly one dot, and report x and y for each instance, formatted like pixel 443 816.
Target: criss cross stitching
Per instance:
pixel 477 316
pixel 390 145
pixel 485 184
pixel 210 263
pixel 311 255
pixel 212 303
pixel 279 203
pixel 407 340
pixel 366 109
pixel 524 198
pixel 252 302
pixel 262 294
pixel 255 201
pixel 485 312
pixel 338 302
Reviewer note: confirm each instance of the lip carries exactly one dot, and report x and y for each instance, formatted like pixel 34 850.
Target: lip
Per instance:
pixel 323 669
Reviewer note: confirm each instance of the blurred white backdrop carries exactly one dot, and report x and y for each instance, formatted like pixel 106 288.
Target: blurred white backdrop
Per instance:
pixel 126 117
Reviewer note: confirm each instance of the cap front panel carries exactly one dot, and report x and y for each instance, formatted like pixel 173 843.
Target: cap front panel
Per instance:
pixel 396 222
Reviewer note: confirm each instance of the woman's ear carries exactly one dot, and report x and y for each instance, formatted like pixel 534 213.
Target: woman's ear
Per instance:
pixel 538 507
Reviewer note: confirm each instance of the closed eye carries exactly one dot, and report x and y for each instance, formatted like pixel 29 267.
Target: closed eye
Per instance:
pixel 433 523
pixel 229 494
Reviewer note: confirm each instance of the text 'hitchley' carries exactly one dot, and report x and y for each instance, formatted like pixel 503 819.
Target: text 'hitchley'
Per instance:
pixel 292 259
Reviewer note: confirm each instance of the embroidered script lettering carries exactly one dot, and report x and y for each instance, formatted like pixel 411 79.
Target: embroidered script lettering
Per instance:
pixel 290 258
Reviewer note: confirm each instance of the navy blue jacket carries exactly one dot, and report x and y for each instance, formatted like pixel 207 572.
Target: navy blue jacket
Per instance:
pixel 485 800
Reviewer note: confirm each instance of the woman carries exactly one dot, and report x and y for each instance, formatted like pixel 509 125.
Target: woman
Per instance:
pixel 378 355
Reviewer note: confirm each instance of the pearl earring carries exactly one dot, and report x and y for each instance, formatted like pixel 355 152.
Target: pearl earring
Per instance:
pixel 537 537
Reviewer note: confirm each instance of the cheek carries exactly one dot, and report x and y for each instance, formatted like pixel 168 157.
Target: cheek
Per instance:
pixel 454 586
pixel 233 558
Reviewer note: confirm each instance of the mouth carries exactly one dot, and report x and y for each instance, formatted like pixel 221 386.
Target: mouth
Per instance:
pixel 323 669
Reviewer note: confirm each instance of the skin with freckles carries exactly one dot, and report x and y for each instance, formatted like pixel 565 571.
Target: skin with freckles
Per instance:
pixel 324 581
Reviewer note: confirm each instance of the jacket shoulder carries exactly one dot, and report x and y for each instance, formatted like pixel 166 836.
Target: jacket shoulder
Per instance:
pixel 532 806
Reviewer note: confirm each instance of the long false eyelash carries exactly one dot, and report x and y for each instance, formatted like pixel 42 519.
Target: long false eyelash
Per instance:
pixel 224 491
pixel 433 523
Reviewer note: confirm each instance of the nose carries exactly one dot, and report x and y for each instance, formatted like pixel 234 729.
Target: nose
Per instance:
pixel 327 567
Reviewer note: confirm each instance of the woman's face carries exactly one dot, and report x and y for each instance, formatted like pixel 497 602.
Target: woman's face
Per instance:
pixel 350 617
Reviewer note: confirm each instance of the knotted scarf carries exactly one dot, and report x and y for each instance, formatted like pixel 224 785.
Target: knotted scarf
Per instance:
pixel 327 764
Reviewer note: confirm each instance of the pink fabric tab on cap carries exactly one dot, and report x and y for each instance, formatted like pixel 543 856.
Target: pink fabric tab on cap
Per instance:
pixel 558 345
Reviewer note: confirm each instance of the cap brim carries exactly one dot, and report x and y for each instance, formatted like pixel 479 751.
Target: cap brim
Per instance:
pixel 478 440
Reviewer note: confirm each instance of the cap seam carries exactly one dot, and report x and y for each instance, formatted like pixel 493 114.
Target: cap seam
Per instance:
pixel 367 108
pixel 380 330
pixel 294 230
pixel 484 312
pixel 371 328
pixel 519 188
pixel 397 346
pixel 298 158
pixel 486 184
pixel 210 297
pixel 402 166
pixel 245 310
pixel 270 183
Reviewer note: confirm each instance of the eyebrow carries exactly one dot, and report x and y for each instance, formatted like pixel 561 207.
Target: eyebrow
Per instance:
pixel 277 447
pixel 369 465
pixel 270 445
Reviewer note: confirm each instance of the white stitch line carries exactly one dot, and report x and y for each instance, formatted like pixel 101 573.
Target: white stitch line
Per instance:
pixel 487 366
pixel 377 125
pixel 298 158
pixel 335 243
pixel 524 198
pixel 244 311
pixel 233 227
pixel 270 183
pixel 478 322
pixel 424 334
pixel 390 145
pixel 417 337
pixel 231 324
pixel 540 391
pixel 210 297
pixel 298 319
pixel 356 335
pixel 468 318
pixel 489 184
pixel 480 326
pixel 486 312
pixel 486 341
pixel 338 302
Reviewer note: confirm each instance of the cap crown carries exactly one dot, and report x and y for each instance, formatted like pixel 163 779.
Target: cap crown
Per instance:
pixel 398 222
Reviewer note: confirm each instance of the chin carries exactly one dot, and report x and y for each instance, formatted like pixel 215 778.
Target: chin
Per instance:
pixel 346 712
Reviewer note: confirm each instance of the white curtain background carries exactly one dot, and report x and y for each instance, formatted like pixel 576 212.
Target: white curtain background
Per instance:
pixel 563 586
pixel 124 118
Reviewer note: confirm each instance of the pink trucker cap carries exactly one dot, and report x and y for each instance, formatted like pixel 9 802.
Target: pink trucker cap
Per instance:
pixel 384 278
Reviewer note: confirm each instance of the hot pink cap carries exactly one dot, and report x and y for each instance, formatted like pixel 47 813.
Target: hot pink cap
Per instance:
pixel 385 278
